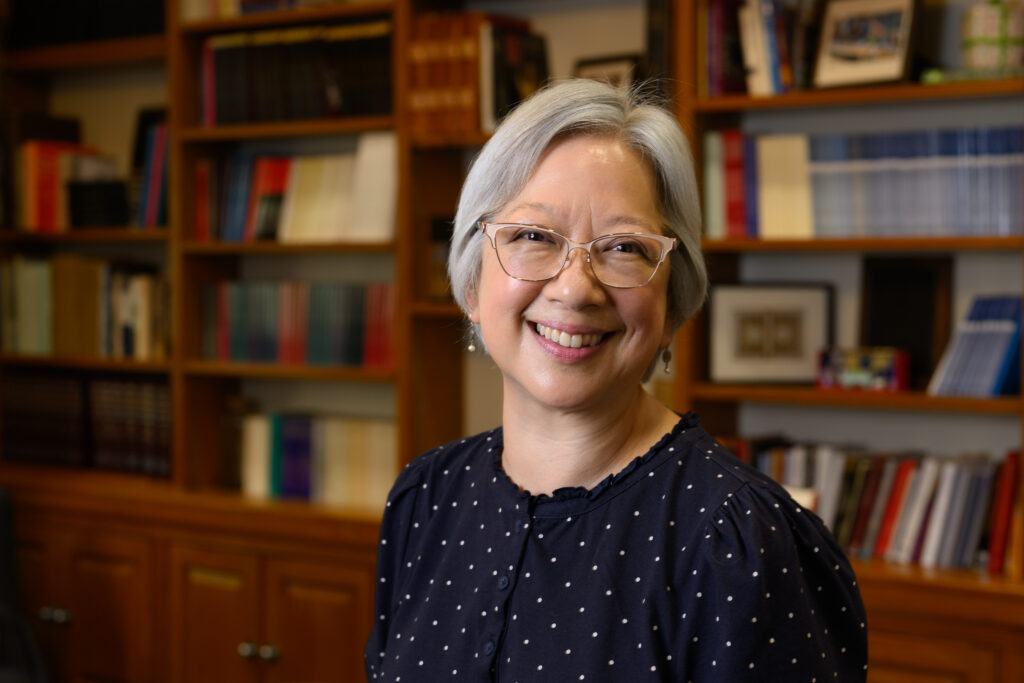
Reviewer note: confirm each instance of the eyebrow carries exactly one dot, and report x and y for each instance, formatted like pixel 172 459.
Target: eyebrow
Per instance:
pixel 622 219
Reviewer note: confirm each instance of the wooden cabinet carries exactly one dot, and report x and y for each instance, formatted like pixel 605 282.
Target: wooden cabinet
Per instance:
pixel 89 595
pixel 245 616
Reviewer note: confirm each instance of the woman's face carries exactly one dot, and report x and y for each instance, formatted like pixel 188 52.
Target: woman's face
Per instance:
pixel 583 188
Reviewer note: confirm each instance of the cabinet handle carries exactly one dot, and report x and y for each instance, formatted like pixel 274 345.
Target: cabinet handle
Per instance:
pixel 61 616
pixel 247 650
pixel 46 614
pixel 269 653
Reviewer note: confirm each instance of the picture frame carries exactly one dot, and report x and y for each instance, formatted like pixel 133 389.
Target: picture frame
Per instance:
pixel 619 70
pixel 769 332
pixel 864 41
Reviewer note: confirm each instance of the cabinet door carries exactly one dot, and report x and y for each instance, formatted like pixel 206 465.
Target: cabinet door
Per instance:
pixel 904 658
pixel 38 558
pixel 318 620
pixel 215 615
pixel 109 582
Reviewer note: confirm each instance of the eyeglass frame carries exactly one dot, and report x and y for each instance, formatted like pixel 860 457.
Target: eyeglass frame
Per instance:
pixel 667 245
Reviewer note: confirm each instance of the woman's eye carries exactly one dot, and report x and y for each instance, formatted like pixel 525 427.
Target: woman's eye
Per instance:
pixel 626 246
pixel 531 236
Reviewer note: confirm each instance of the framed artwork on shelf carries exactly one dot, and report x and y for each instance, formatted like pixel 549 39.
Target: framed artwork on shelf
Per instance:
pixel 864 41
pixel 624 69
pixel 769 332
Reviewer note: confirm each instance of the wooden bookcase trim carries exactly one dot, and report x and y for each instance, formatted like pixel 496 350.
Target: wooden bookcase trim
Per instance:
pixel 288 129
pixel 307 15
pixel 102 53
pixel 324 373
pixel 198 249
pixel 127 235
pixel 908 92
pixel 858 244
pixel 911 401
pixel 86 363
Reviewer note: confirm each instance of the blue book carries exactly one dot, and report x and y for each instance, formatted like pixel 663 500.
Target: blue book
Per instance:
pixel 296 456
pixel 1007 376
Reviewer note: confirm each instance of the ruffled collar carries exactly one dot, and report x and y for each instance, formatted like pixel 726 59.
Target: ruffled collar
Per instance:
pixel 577 496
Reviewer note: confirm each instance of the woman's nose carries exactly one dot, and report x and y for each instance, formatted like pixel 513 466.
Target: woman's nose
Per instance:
pixel 576 283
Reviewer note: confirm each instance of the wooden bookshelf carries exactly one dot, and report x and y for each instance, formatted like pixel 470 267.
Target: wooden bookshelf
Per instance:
pixel 287 129
pixel 230 248
pixel 122 235
pixel 325 12
pixel 99 54
pixel 922 624
pixel 85 363
pixel 315 373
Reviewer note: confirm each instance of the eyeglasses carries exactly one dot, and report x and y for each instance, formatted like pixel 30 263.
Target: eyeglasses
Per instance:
pixel 527 252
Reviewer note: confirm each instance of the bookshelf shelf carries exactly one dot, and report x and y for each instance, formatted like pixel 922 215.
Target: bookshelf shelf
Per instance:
pixel 288 129
pixel 289 372
pixel 447 141
pixel 230 248
pixel 906 92
pixel 88 235
pixel 309 15
pixel 83 363
pixel 888 244
pixel 911 401
pixel 104 53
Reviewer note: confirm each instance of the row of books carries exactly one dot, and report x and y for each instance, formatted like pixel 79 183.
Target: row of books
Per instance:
pixel 962 181
pixel 46 174
pixel 199 10
pixel 75 305
pixel 983 357
pixel 344 197
pixel 295 323
pixel 906 508
pixel 110 424
pixel 327 459
pixel 759 47
pixel 468 69
pixel 296 73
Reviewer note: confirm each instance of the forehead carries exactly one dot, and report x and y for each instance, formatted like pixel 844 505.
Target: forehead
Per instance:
pixel 587 176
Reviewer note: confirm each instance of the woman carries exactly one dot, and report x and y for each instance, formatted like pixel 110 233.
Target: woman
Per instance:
pixel 597 535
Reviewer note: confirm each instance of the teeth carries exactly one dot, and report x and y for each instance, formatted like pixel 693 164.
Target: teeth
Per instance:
pixel 572 341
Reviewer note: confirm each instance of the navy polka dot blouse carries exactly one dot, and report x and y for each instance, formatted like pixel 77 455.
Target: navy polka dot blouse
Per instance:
pixel 686 566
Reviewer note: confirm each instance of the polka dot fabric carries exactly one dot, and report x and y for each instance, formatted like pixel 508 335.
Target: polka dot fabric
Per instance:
pixel 686 566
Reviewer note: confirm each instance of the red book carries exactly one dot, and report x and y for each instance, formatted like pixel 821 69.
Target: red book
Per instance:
pixel 1002 511
pixel 732 163
pixel 269 182
pixel 894 506
pixel 209 85
pixel 44 182
pixel 301 322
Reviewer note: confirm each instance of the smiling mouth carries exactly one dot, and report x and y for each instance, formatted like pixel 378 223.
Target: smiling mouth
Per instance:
pixel 570 341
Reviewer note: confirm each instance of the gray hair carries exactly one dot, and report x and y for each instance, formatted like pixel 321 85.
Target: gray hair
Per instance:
pixel 584 107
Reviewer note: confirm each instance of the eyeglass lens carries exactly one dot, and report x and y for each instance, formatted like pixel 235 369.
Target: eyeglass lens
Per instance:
pixel 622 260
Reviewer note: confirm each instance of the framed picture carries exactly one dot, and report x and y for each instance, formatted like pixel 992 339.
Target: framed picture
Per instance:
pixel 769 332
pixel 863 41
pixel 617 70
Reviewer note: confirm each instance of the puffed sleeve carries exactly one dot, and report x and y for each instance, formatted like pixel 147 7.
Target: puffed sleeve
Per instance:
pixel 396 526
pixel 775 598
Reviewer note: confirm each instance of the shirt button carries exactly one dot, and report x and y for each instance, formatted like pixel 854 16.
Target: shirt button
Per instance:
pixel 503 582
pixel 520 525
pixel 489 647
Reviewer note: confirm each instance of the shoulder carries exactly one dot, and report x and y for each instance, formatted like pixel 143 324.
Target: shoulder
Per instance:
pixel 444 465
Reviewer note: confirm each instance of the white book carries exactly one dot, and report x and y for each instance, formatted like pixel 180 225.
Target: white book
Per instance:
pixel 955 515
pixel 914 511
pixel 333 202
pixel 828 481
pixel 940 514
pixel 784 206
pixel 714 185
pixel 256 456
pixel 374 188
pixel 336 487
pixel 755 52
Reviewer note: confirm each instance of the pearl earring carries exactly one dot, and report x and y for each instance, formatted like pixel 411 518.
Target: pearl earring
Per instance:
pixel 666 357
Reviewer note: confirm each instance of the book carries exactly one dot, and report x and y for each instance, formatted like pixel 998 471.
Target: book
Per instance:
pixel 754 47
pixel 938 523
pixel 374 188
pixel 714 185
pixel 897 494
pixel 1006 490
pixel 784 189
